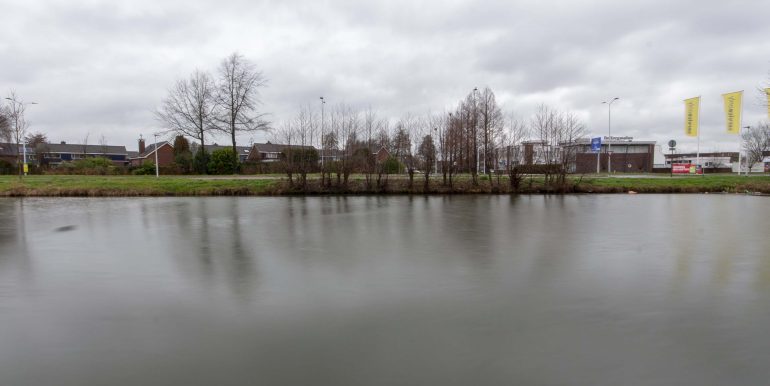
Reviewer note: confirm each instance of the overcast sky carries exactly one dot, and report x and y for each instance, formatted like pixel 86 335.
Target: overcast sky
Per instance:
pixel 102 67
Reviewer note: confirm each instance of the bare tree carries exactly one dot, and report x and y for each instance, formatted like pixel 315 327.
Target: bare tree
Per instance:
pixel 189 108
pixel 286 134
pixel 427 156
pixel 407 128
pixel 18 125
pixel 756 142
pixel 5 124
pixel 85 144
pixel 39 142
pixel 372 126
pixel 490 125
pixel 544 126
pixel 511 141
pixel 347 127
pixel 570 129
pixel 556 133
pixel 103 145
pixel 238 98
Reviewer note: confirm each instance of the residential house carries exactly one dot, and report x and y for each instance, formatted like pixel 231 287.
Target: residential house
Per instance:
pixel 165 153
pixel 56 153
pixel 381 155
pixel 270 152
pixel 8 152
pixel 331 155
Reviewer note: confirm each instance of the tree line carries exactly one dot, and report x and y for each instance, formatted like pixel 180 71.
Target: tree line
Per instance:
pixel 473 139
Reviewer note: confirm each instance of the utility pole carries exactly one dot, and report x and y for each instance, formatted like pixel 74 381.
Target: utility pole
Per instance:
pixel 323 102
pixel 157 169
pixel 609 134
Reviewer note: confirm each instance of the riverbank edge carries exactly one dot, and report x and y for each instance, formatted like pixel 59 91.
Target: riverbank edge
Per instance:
pixel 171 187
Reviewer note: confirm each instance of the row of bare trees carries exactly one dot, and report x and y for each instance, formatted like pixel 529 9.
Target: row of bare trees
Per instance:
pixel 227 102
pixel 475 138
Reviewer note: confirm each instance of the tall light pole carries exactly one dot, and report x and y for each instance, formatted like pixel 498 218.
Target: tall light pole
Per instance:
pixel 18 115
pixel 475 128
pixel 740 151
pixel 323 103
pixel 609 135
pixel 157 170
pixel 435 150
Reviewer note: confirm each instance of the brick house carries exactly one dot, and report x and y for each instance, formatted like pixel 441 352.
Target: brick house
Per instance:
pixel 147 153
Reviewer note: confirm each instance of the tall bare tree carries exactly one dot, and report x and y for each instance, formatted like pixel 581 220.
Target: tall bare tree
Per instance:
pixel 39 143
pixel 373 125
pixel 490 126
pixel 510 147
pixel 18 125
pixel 5 124
pixel 189 107
pixel 238 98
pixel 427 156
pixel 756 141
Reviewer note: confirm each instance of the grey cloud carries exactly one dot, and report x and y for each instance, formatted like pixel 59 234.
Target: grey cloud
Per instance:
pixel 101 66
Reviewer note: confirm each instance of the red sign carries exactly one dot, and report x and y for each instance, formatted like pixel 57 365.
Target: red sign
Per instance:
pixel 686 169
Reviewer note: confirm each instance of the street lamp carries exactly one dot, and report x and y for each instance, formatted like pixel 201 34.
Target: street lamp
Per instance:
pixel 475 127
pixel 435 153
pixel 609 135
pixel 16 112
pixel 323 102
pixel 157 170
pixel 740 151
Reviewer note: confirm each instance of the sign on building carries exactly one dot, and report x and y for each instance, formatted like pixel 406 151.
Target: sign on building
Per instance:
pixel 596 144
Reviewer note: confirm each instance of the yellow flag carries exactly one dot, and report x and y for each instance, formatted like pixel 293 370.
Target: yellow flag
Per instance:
pixel 733 111
pixel 767 92
pixel 691 107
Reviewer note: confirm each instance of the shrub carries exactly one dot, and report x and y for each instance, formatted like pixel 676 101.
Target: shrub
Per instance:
pixel 392 166
pixel 147 168
pixel 223 161
pixel 88 166
pixel 201 161
pixel 7 167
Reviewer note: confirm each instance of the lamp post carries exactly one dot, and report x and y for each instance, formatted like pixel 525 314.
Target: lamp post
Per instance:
pixel 435 152
pixel 476 127
pixel 609 134
pixel 157 170
pixel 740 151
pixel 323 102
pixel 18 114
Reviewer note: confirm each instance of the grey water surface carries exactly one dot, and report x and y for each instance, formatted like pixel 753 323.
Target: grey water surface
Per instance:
pixel 458 290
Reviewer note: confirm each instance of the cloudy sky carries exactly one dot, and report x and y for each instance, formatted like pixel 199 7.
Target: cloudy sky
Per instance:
pixel 101 67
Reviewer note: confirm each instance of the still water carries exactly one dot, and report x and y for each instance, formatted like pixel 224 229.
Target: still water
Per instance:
pixel 575 290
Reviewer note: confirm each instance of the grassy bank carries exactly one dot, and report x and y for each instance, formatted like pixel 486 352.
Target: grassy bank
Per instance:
pixel 105 186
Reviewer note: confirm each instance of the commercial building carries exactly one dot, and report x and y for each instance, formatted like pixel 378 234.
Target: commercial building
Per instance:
pixel 628 156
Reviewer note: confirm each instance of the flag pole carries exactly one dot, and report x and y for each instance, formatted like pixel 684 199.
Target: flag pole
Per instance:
pixel 697 154
pixel 740 139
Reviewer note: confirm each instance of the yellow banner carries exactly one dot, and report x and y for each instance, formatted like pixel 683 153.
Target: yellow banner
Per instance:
pixel 733 111
pixel 691 107
pixel 767 93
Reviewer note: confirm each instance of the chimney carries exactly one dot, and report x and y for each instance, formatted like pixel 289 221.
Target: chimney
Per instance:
pixel 141 145
pixel 63 142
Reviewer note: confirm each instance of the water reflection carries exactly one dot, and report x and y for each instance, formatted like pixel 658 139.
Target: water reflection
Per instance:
pixel 385 290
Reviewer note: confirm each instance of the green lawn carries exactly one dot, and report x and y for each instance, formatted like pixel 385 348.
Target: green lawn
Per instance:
pixel 129 186
pixel 712 183
pixel 269 184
